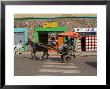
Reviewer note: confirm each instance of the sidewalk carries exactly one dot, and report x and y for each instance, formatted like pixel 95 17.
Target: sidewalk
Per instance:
pixel 76 53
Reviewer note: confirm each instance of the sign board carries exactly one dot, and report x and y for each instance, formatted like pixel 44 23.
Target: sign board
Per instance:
pixel 85 29
pixel 50 24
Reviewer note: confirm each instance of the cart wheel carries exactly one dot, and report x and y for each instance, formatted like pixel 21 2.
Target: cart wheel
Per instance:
pixel 68 58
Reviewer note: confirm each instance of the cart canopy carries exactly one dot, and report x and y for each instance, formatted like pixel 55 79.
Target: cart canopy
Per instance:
pixel 70 34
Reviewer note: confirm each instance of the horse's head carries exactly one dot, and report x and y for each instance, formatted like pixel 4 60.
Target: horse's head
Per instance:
pixel 29 42
pixel 26 44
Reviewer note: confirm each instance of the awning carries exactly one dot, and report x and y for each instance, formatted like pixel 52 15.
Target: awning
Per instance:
pixel 70 34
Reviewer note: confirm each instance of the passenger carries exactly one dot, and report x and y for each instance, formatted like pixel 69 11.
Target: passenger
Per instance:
pixel 52 41
pixel 68 41
pixel 72 41
pixel 63 46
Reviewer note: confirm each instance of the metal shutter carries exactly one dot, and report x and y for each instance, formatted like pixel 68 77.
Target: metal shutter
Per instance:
pixel 17 37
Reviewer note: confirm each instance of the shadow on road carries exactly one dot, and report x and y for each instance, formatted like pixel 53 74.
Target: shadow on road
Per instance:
pixel 49 59
pixel 92 64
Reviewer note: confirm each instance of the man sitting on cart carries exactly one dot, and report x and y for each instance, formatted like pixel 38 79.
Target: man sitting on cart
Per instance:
pixel 64 49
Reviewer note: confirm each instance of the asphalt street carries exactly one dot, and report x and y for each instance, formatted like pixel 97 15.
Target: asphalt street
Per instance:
pixel 81 66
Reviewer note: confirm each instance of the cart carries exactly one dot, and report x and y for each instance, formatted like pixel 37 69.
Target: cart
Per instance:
pixel 67 53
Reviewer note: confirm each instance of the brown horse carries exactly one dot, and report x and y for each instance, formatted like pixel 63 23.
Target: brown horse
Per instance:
pixel 37 47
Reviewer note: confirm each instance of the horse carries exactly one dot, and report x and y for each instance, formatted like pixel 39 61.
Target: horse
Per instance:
pixel 37 47
pixel 17 47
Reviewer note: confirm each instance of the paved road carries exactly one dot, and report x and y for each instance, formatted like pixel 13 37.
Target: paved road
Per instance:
pixel 82 66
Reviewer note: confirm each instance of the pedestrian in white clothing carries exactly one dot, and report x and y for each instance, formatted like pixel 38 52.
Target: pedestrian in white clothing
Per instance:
pixel 17 47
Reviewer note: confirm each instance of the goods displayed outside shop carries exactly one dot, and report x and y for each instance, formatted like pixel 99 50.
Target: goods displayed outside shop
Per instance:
pixel 89 39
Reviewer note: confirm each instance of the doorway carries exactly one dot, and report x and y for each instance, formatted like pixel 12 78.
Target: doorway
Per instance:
pixel 43 37
pixel 83 44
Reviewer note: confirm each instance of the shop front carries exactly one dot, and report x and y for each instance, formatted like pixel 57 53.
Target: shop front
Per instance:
pixel 88 42
pixel 48 34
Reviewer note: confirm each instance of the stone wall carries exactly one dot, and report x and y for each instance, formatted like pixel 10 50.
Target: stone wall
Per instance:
pixel 69 22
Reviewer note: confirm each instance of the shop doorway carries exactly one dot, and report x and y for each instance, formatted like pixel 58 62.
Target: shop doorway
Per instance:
pixel 83 45
pixel 43 37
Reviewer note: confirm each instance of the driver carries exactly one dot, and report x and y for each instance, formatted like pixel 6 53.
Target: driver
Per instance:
pixel 64 49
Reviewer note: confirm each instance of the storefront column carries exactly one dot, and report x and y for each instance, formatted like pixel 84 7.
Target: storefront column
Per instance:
pixel 64 38
pixel 25 39
pixel 76 44
pixel 36 37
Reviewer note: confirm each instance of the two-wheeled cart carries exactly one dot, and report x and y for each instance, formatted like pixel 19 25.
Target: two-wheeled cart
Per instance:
pixel 67 53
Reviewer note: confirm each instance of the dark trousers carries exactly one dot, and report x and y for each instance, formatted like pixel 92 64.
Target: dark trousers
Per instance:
pixel 65 53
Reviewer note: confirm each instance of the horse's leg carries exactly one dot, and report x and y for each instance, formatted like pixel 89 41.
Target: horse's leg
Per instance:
pixel 43 55
pixel 35 55
pixel 47 55
pixel 32 54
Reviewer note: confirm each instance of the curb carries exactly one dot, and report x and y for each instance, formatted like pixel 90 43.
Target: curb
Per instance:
pixel 77 54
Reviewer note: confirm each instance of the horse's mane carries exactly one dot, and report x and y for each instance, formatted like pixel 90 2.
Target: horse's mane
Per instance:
pixel 37 44
pixel 30 40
